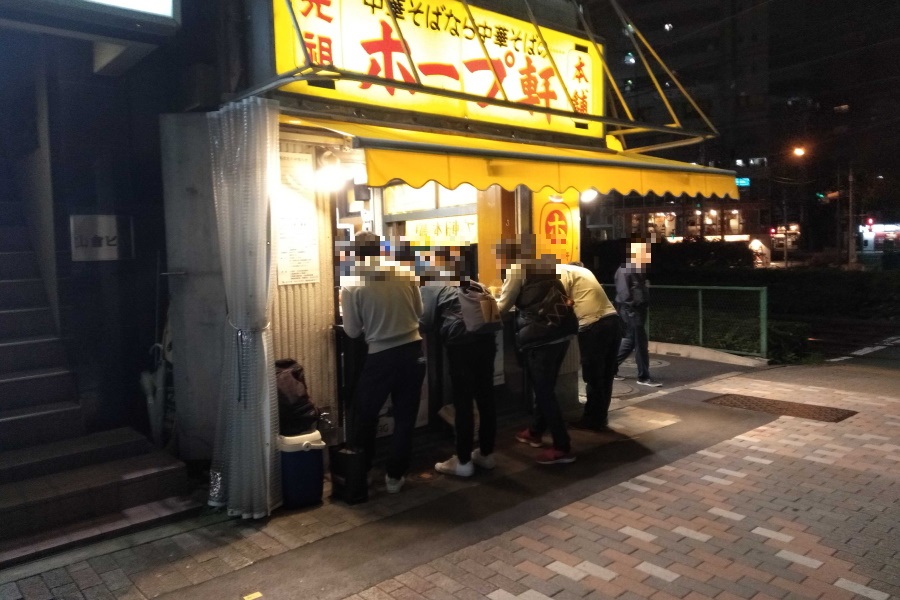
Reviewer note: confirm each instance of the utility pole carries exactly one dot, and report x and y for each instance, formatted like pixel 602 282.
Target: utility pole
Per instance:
pixel 851 233
pixel 784 216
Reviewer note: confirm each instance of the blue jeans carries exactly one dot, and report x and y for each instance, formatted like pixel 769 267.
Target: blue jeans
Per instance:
pixel 397 372
pixel 542 365
pixel 635 339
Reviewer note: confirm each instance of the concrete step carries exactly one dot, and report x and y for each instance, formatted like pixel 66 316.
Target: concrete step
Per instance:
pixel 12 213
pixel 52 501
pixel 18 265
pixel 35 388
pixel 14 237
pixel 31 547
pixel 34 352
pixel 94 448
pixel 22 293
pixel 33 425
pixel 23 322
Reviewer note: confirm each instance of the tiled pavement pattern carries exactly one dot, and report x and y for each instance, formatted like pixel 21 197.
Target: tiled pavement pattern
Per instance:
pixel 795 509
pixel 179 559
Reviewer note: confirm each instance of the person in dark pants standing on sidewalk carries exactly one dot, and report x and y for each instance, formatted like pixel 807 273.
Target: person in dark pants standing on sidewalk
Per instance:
pixel 526 284
pixel 384 305
pixel 631 298
pixel 599 335
pixel 470 355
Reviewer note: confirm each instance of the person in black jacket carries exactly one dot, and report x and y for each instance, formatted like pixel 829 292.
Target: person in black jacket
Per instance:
pixel 471 359
pixel 527 283
pixel 631 299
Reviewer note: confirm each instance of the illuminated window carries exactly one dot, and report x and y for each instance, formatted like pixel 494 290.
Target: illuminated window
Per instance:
pixel 739 162
pixel 668 27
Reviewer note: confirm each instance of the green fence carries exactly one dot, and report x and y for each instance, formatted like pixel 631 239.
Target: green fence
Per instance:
pixel 731 319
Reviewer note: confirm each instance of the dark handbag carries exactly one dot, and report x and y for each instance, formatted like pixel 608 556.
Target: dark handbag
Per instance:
pixel 545 314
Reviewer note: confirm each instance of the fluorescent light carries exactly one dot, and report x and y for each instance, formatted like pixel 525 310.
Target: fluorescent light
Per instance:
pixel 163 8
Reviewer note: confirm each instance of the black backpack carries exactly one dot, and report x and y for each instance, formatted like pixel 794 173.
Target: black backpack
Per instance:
pixel 544 313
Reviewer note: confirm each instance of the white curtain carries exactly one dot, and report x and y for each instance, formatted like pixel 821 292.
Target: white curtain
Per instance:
pixel 245 475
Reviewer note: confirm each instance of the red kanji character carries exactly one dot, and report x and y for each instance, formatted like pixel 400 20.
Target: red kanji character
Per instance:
pixel 530 85
pixel 319 49
pixel 481 64
pixel 556 227
pixel 319 5
pixel 579 71
pixel 579 99
pixel 387 46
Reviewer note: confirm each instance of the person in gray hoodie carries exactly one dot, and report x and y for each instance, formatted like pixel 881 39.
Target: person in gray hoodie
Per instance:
pixel 382 303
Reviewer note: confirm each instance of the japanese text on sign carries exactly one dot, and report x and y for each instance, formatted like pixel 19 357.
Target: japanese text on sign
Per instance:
pixel 448 49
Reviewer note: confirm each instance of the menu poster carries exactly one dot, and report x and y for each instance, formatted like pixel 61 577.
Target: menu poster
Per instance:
pixel 295 223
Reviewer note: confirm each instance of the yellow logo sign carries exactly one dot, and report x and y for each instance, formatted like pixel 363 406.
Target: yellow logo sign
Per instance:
pixel 436 44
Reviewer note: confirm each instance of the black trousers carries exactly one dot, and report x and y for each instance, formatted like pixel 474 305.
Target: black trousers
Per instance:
pixel 598 344
pixel 542 365
pixel 472 377
pixel 397 372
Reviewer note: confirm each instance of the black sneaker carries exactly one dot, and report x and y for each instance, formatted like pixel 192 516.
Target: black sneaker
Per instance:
pixel 649 382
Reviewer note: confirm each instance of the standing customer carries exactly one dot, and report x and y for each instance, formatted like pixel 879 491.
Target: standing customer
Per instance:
pixel 470 355
pixel 599 336
pixel 632 297
pixel 526 285
pixel 385 307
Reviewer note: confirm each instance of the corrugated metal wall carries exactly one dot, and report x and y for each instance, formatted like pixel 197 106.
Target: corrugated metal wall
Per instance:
pixel 303 314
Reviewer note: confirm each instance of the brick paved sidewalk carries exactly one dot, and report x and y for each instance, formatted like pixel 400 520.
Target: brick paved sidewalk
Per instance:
pixel 795 509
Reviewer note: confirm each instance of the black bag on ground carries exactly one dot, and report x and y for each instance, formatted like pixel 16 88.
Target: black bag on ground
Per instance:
pixel 296 412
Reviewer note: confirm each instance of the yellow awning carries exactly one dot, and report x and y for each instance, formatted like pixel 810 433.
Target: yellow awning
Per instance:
pixel 417 157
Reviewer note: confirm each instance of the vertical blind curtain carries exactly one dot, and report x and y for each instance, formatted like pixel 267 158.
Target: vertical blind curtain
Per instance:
pixel 245 474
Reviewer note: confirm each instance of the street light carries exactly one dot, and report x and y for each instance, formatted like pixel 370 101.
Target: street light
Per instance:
pixel 798 152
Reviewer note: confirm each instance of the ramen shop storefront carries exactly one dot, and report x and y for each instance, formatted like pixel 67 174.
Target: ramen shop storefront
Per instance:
pixel 444 122
pixel 451 124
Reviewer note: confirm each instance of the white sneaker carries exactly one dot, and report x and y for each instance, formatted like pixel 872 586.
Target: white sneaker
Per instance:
pixel 649 382
pixel 485 462
pixel 393 485
pixel 452 466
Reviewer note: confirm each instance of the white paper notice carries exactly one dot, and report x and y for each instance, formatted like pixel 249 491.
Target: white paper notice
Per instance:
pixel 295 221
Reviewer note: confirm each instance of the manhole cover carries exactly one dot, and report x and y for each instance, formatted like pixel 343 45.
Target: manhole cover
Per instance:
pixel 780 407
pixel 653 363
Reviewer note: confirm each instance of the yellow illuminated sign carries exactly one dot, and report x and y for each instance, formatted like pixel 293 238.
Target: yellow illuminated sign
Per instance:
pixel 443 231
pixel 361 37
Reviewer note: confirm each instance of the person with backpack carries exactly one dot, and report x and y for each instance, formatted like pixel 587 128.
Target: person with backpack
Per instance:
pixel 545 325
pixel 465 318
